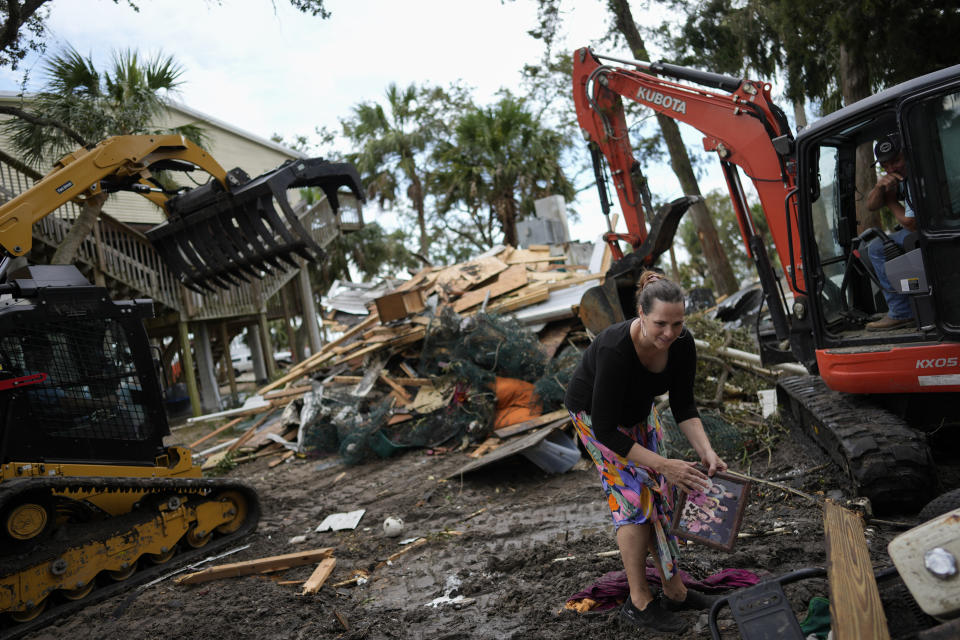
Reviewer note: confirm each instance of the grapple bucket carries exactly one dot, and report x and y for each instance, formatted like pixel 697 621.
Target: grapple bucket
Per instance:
pixel 217 237
pixel 613 300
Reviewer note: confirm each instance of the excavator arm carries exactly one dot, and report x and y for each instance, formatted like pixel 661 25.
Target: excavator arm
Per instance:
pixel 216 234
pixel 742 125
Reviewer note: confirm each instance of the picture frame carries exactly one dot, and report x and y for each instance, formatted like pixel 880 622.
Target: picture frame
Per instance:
pixel 712 518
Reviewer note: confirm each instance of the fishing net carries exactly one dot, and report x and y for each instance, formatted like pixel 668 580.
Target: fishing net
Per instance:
pixel 553 385
pixel 725 438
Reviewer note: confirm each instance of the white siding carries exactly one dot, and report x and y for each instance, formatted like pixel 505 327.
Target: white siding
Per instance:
pixel 230 147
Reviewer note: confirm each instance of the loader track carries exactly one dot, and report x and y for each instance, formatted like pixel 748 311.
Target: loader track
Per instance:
pixel 201 489
pixel 886 460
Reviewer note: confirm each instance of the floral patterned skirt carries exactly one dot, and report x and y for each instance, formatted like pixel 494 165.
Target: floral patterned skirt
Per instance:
pixel 635 494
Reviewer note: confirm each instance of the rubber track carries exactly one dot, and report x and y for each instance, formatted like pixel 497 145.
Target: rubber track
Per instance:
pixel 887 461
pixel 201 486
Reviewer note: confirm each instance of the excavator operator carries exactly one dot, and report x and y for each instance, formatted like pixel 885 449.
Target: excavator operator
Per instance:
pixel 890 189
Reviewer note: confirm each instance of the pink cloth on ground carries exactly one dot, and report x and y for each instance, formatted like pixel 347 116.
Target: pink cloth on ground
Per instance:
pixel 612 588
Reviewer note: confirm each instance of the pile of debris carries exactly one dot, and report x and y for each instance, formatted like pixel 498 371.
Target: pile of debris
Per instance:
pixel 471 354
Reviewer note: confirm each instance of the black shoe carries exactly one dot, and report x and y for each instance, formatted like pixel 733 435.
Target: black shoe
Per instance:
pixel 695 601
pixel 653 617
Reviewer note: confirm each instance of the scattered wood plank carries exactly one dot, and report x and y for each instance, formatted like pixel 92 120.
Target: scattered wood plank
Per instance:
pixel 512 278
pixel 342 620
pixel 212 461
pixel 855 607
pixel 407 549
pixel 560 416
pixel 553 337
pixel 458 278
pixel 249 432
pixel 404 396
pixel 324 354
pixel 260 565
pixel 409 338
pixel 529 295
pixel 319 576
pixel 286 456
pixel 411 374
pixel 399 418
pixel 486 447
pixel 286 393
pixel 274 449
pixel 407 382
pixel 215 432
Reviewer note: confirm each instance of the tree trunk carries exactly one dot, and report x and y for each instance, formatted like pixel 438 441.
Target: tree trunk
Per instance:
pixel 66 253
pixel 416 195
pixel 799 114
pixel 854 86
pixel 507 213
pixel 721 272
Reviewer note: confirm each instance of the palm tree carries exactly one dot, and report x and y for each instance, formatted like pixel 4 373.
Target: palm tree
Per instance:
pixel 81 104
pixel 392 143
pixel 501 159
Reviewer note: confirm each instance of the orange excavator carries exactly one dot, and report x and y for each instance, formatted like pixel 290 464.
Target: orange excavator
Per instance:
pixel 874 400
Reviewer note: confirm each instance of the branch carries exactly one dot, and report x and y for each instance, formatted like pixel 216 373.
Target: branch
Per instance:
pixel 43 122
pixel 19 166
pixel 17 15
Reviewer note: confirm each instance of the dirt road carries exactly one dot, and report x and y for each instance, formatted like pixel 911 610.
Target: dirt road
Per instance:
pixel 499 568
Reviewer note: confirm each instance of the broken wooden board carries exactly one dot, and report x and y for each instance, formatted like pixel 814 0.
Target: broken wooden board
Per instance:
pixel 512 278
pixel 561 416
pixel 855 607
pixel 514 447
pixel 260 565
pixel 528 295
pixel 463 277
pixel 319 576
pixel 553 336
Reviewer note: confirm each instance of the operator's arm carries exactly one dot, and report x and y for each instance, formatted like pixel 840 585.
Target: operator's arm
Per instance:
pixel 884 193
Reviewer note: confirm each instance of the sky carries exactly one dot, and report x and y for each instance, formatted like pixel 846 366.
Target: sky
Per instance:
pixel 266 68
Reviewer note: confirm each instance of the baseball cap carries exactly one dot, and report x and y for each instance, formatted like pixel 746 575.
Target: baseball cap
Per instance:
pixel 887 148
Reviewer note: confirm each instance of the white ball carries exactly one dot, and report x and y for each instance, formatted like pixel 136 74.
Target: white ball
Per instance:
pixel 392 526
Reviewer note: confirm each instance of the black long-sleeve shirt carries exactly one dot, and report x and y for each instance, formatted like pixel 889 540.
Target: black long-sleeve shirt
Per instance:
pixel 615 389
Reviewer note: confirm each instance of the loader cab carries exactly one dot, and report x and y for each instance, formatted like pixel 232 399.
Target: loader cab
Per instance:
pixel 94 397
pixel 836 172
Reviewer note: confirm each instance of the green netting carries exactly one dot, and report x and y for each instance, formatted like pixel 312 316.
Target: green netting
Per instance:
pixel 358 431
pixel 726 439
pixel 553 385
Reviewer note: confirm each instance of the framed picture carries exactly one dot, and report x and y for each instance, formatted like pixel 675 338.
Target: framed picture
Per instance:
pixel 712 517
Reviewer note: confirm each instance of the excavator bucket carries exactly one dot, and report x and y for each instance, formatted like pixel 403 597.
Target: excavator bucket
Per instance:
pixel 613 300
pixel 218 237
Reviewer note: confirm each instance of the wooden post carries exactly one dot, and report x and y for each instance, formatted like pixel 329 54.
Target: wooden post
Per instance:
pixel 209 387
pixel 266 343
pixel 295 355
pixel 309 308
pixel 186 362
pixel 228 362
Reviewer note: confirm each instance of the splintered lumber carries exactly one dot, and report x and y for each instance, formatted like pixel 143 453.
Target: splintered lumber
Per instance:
pixel 215 432
pixel 249 432
pixel 406 397
pixel 486 447
pixel 407 549
pixel 408 338
pixel 462 277
pixel 307 365
pixel 260 565
pixel 560 416
pixel 286 456
pixel 286 393
pixel 319 576
pixel 407 382
pixel 512 278
pixel 553 337
pixel 855 607
pixel 531 294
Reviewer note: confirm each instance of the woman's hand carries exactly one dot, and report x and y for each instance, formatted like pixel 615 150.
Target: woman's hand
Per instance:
pixel 713 462
pixel 684 474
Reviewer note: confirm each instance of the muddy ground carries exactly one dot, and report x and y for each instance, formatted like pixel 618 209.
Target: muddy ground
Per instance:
pixel 503 565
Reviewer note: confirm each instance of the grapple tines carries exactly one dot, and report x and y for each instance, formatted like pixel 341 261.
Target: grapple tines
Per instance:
pixel 217 237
